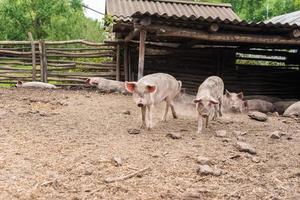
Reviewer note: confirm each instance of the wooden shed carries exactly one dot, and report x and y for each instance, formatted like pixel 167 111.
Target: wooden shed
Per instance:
pixel 195 40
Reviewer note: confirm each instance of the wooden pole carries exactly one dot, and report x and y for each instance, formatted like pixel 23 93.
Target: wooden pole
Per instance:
pixel 43 61
pixel 118 63
pixel 126 62
pixel 143 34
pixel 33 56
pixel 129 65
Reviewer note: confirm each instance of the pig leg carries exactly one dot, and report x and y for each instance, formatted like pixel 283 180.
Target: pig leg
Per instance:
pixel 215 112
pixel 173 110
pixel 200 124
pixel 220 107
pixel 143 109
pixel 150 122
pixel 164 118
pixel 206 122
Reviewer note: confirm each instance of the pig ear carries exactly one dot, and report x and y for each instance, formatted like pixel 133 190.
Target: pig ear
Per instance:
pixel 227 93
pixel 88 81
pixel 246 104
pixel 240 95
pixel 151 88
pixel 213 101
pixel 197 100
pixel 130 86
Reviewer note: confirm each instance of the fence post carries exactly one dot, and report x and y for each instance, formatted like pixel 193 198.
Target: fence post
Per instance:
pixel 33 56
pixel 126 62
pixel 118 63
pixel 43 61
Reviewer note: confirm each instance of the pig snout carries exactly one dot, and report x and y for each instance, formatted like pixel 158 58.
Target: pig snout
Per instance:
pixel 140 105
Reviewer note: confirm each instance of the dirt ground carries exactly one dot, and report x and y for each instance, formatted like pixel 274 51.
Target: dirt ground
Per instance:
pixel 59 145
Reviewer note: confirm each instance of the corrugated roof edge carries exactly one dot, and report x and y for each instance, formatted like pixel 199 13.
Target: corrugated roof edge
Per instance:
pixel 195 3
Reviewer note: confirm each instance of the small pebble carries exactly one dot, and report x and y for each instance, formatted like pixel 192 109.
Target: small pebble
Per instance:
pixel 275 135
pixel 205 170
pixel 204 160
pixel 134 131
pixel 117 160
pixel 258 116
pixel 244 147
pixel 221 133
pixel 174 135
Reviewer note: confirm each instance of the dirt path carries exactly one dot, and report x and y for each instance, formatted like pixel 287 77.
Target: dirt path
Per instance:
pixel 59 145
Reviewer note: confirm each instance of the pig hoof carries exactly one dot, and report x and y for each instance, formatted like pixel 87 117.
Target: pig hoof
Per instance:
pixel 175 117
pixel 143 126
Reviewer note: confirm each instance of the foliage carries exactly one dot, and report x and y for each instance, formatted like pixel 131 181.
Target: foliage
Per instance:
pixel 260 10
pixel 47 19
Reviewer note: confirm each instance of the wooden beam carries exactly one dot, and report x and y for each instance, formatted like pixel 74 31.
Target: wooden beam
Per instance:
pixel 173 32
pixel 118 63
pixel 43 61
pixel 143 34
pixel 33 56
pixel 126 63
pixel 130 78
pixel 132 35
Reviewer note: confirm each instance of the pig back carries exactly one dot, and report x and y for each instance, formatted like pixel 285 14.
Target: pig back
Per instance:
pixel 270 99
pixel 260 105
pixel 281 106
pixel 166 86
pixel 213 86
pixel 293 110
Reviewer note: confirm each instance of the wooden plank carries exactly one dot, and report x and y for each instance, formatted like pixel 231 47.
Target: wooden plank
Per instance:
pixel 130 78
pixel 43 61
pixel 118 63
pixel 143 34
pixel 33 56
pixel 126 62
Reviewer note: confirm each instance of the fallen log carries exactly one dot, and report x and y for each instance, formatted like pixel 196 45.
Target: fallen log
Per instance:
pixel 106 85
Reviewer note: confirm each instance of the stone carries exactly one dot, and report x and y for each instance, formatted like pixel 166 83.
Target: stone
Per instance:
pixel 221 133
pixel 87 172
pixel 255 159
pixel 205 170
pixel 174 135
pixel 275 135
pixel 258 116
pixel 126 112
pixel 204 160
pixel 241 138
pixel 244 147
pixel 117 160
pixel 134 131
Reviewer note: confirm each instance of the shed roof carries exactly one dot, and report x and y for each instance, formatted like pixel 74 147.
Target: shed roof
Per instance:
pixel 292 18
pixel 123 10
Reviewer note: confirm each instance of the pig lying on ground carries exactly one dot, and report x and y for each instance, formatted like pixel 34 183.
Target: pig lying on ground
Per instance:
pixel 151 90
pixel 262 97
pixel 233 102
pixel 209 100
pixel 106 85
pixel 259 105
pixel 281 106
pixel 35 84
pixel 293 110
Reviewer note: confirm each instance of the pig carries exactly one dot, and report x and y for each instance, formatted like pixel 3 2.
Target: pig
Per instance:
pixel 107 85
pixel 293 110
pixel 281 106
pixel 259 105
pixel 209 100
pixel 233 102
pixel 152 90
pixel 262 97
pixel 35 84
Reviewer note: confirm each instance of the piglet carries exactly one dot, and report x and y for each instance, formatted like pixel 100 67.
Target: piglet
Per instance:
pixel 293 110
pixel 209 100
pixel 233 102
pixel 35 84
pixel 151 90
pixel 106 85
pixel 259 105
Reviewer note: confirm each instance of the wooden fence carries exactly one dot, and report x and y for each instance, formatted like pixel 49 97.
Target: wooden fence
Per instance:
pixel 60 62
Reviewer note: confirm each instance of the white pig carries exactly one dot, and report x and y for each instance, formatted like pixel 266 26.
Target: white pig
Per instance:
pixel 233 102
pixel 281 106
pixel 151 90
pixel 293 110
pixel 107 85
pixel 35 84
pixel 209 100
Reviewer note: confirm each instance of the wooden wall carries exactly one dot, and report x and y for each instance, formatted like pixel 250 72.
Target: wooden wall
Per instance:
pixel 254 74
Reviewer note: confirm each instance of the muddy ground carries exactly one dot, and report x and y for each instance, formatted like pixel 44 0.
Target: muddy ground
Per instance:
pixel 59 145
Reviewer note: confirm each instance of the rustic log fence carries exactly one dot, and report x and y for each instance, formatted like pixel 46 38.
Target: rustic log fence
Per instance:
pixel 64 63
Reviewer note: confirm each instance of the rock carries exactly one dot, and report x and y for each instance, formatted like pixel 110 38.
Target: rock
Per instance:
pixel 258 116
pixel 275 135
pixel 134 131
pixel 87 172
pixel 221 133
pixel 204 160
pixel 117 160
pixel 126 112
pixel 237 133
pixel 255 159
pixel 244 147
pixel 174 135
pixel 241 138
pixel 205 170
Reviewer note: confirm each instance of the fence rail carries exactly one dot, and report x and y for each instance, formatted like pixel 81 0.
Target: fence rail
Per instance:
pixel 61 62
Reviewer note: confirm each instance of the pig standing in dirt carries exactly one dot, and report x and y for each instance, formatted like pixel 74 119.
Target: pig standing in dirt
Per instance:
pixel 293 110
pixel 270 99
pixel 281 106
pixel 209 100
pixel 151 90
pixel 107 85
pixel 233 102
pixel 259 105
pixel 35 84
